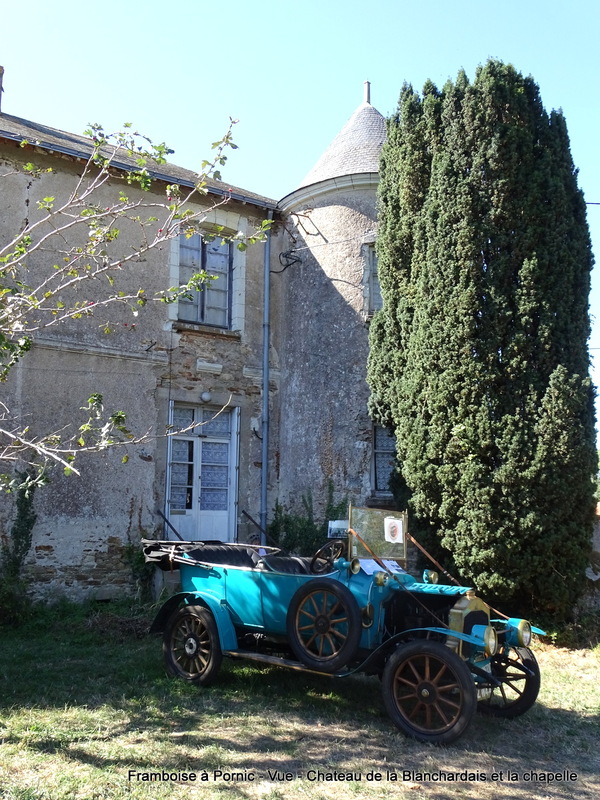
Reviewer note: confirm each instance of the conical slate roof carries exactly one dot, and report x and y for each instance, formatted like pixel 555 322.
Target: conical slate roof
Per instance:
pixel 355 149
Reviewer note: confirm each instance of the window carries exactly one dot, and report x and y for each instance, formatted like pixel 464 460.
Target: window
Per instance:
pixel 372 292
pixel 211 305
pixel 384 459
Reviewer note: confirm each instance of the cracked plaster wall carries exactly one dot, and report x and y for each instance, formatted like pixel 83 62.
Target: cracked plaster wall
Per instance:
pixel 85 523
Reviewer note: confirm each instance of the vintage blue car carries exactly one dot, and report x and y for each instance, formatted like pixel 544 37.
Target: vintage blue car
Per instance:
pixel 439 651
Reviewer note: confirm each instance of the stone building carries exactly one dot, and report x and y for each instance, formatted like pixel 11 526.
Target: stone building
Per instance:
pixel 329 293
pixel 293 414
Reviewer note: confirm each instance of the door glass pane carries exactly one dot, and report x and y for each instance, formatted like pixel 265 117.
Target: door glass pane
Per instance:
pixel 182 475
pixel 215 477
pixel 182 450
pixel 213 500
pixel 180 499
pixel 215 423
pixel 182 417
pixel 215 453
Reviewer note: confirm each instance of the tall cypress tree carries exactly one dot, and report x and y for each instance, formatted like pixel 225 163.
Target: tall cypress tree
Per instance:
pixel 479 357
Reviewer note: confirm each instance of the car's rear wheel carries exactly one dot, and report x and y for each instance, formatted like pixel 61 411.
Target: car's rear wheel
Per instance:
pixel 324 625
pixel 519 674
pixel 191 645
pixel 428 692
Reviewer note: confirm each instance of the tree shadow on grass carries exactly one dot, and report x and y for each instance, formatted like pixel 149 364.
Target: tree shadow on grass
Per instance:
pixel 521 755
pixel 74 691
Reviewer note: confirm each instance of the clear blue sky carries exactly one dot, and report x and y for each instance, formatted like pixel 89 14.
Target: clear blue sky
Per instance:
pixel 291 72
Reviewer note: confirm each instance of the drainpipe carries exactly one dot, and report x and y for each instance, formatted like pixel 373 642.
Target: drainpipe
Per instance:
pixel 264 473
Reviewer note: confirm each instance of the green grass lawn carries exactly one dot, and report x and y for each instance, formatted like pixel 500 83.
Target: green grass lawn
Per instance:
pixel 86 711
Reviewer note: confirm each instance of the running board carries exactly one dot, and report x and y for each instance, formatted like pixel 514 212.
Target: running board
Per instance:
pixel 251 655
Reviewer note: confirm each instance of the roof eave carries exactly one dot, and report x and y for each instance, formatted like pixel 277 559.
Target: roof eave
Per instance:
pixel 310 195
pixel 155 174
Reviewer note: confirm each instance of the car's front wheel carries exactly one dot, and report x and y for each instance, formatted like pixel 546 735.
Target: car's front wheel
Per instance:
pixel 518 676
pixel 191 645
pixel 428 692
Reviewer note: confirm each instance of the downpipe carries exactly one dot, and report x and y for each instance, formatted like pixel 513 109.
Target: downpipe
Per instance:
pixel 264 471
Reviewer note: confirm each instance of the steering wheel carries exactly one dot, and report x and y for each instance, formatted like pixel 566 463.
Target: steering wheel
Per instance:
pixel 323 559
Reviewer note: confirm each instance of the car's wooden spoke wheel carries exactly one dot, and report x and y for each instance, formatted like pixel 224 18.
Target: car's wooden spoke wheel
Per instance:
pixel 429 692
pixel 324 625
pixel 518 683
pixel 191 645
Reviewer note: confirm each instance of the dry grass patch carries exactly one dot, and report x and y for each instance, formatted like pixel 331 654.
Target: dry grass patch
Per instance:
pixel 79 711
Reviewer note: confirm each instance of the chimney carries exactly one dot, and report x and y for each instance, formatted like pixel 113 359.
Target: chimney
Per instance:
pixel 1 89
pixel 367 95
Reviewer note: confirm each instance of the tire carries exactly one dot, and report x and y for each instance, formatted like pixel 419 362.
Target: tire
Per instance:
pixel 428 692
pixel 323 625
pixel 191 647
pixel 519 673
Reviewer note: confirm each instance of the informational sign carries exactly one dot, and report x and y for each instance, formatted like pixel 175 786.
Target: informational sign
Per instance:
pixel 370 566
pixel 393 530
pixel 337 529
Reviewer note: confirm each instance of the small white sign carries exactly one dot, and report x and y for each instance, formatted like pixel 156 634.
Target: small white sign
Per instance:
pixel 393 529
pixel 369 565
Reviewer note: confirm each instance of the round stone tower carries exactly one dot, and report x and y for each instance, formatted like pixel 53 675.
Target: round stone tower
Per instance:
pixel 330 291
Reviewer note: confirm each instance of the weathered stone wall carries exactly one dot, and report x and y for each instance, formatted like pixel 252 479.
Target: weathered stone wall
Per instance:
pixel 325 431
pixel 591 598
pixel 85 524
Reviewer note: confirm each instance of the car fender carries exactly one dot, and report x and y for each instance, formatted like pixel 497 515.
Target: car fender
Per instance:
pixel 464 637
pixel 227 636
pixel 399 638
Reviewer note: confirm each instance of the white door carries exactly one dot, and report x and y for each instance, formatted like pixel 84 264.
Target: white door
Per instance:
pixel 202 475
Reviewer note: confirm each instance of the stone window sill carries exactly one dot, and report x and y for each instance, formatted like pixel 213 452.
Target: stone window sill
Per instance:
pixel 207 330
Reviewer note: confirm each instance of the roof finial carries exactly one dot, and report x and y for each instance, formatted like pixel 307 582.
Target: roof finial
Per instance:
pixel 367 96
